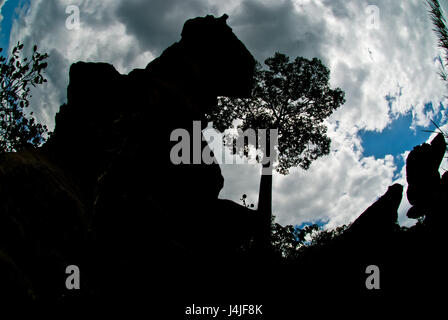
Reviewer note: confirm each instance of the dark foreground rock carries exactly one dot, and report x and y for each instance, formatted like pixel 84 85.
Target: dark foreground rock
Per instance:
pixel 104 193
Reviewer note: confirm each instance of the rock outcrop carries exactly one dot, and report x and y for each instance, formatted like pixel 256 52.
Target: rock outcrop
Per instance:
pixel 426 189
pixel 381 217
pixel 105 177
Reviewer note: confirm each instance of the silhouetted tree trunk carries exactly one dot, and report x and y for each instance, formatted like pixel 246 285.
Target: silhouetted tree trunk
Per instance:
pixel 265 207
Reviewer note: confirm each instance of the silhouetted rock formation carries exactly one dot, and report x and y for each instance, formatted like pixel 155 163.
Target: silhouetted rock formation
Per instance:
pixel 426 192
pixel 381 217
pixel 107 166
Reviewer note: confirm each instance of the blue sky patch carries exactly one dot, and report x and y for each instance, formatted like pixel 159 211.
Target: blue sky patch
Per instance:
pixel 397 138
pixel 9 14
pixel 320 223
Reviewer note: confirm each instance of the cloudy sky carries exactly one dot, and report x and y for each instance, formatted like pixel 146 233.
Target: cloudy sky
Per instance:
pixel 383 54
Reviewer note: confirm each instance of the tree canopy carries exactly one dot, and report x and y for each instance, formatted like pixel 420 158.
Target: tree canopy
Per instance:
pixel 292 97
pixel 18 130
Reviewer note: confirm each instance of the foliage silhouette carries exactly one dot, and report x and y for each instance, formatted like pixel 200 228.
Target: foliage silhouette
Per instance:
pixel 293 97
pixel 438 18
pixel 17 130
pixel 290 241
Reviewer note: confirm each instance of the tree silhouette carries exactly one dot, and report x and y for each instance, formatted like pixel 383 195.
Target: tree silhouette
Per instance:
pixel 16 129
pixel 293 97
